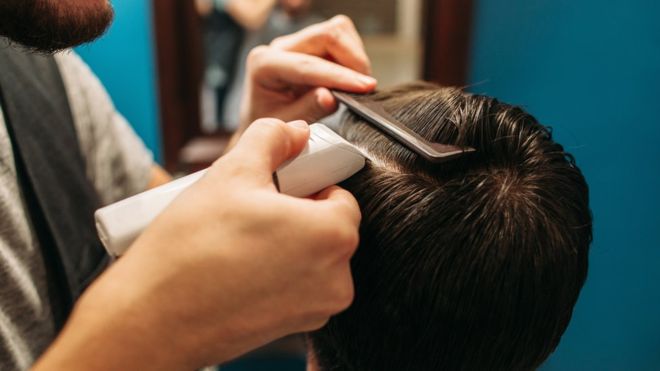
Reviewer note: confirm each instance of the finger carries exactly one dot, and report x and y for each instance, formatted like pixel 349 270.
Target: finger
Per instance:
pixel 336 38
pixel 341 201
pixel 279 70
pixel 266 144
pixel 312 106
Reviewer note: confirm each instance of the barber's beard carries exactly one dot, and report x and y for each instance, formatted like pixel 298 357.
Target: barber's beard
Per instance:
pixel 51 25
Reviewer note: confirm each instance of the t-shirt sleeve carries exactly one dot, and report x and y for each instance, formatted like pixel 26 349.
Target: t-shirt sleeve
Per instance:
pixel 117 162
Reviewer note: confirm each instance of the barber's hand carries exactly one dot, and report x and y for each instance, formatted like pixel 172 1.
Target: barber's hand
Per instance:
pixel 289 78
pixel 229 266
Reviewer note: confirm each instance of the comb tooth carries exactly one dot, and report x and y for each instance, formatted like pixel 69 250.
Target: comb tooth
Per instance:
pixel 450 148
pixel 374 114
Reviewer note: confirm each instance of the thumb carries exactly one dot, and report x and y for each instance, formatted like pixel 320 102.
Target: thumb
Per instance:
pixel 314 105
pixel 266 144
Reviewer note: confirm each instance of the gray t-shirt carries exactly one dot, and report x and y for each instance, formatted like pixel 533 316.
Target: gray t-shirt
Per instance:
pixel 118 165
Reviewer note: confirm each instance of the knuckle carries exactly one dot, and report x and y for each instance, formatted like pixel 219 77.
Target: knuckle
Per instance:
pixel 277 42
pixel 345 297
pixel 344 237
pixel 268 123
pixel 331 37
pixel 273 129
pixel 342 20
pixel 256 55
pixel 364 60
pixel 316 323
pixel 346 226
pixel 317 29
pixel 269 127
pixel 307 68
pixel 338 296
pixel 349 238
pixel 276 127
pixel 306 64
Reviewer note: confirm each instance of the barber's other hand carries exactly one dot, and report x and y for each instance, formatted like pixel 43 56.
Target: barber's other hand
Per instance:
pixel 229 266
pixel 289 78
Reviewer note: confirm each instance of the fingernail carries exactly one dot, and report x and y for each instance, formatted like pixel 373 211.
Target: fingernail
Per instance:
pixel 367 80
pixel 299 124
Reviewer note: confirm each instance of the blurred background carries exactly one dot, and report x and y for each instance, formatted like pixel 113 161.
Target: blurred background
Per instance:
pixel 589 69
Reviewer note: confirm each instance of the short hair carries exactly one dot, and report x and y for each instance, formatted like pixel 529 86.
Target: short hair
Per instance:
pixel 474 264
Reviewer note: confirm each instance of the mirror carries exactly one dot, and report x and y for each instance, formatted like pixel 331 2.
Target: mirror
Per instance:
pixel 202 46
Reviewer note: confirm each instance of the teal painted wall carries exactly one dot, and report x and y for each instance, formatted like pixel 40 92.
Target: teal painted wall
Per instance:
pixel 591 70
pixel 124 60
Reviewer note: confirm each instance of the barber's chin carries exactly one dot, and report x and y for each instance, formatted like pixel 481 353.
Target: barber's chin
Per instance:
pixel 79 22
pixel 52 25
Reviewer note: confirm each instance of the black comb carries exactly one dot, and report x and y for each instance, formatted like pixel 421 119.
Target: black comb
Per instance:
pixel 378 117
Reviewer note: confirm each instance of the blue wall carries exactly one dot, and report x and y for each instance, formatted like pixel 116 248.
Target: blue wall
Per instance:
pixel 124 60
pixel 592 72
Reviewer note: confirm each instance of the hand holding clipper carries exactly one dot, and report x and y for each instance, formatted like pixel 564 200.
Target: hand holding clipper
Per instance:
pixel 326 160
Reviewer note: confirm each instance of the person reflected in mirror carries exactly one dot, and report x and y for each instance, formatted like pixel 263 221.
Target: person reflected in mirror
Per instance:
pixel 225 24
pixel 288 16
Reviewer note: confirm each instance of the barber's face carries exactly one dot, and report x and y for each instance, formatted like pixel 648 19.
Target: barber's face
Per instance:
pixel 50 25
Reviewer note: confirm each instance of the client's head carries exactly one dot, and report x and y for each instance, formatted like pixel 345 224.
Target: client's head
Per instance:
pixel 474 264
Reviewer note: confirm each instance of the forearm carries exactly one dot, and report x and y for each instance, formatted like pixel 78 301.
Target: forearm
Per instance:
pixel 150 310
pixel 106 332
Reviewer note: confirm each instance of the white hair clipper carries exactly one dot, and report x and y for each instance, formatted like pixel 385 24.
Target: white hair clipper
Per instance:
pixel 326 160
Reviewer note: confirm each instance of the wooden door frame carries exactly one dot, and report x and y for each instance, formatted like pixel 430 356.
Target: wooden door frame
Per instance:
pixel 179 62
pixel 447 41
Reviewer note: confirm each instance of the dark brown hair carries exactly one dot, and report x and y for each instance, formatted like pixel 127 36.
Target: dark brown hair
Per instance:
pixel 469 265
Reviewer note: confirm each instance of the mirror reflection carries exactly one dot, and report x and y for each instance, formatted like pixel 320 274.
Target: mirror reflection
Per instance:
pixel 216 36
